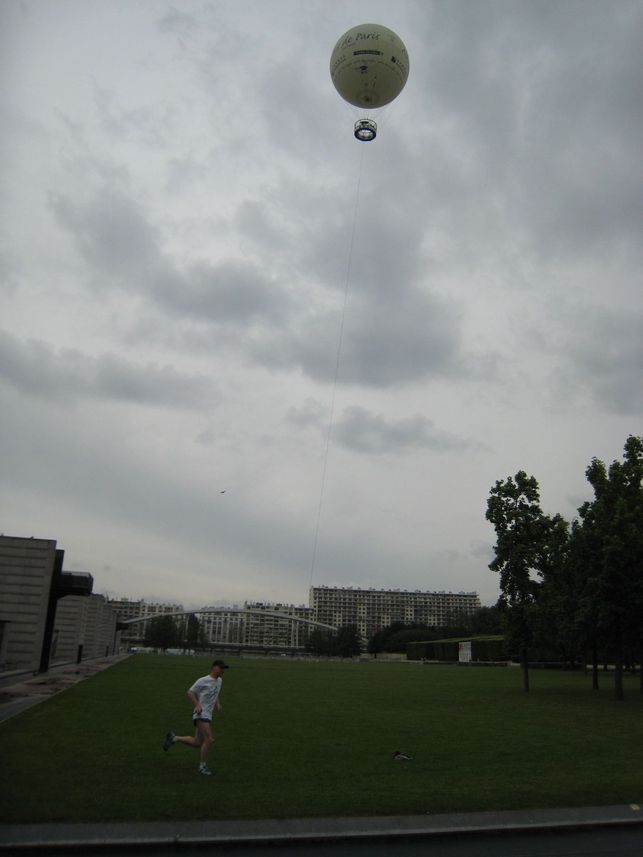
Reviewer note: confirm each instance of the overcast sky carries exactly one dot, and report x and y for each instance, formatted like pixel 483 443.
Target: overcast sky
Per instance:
pixel 179 275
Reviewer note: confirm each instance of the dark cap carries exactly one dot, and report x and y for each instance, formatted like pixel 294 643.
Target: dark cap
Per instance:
pixel 221 664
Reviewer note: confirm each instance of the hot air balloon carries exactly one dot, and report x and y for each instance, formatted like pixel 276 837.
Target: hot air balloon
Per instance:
pixel 369 67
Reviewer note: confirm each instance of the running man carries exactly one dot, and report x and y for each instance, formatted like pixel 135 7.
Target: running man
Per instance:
pixel 204 695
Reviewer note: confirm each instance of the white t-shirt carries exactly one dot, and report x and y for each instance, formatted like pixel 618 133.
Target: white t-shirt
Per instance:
pixel 206 690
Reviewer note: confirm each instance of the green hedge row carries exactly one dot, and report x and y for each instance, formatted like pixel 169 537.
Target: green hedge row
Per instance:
pixel 483 649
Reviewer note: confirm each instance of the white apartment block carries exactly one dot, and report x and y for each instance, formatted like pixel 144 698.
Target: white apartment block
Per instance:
pixel 372 609
pixel 221 625
pixel 127 609
pixel 265 629
pixel 255 624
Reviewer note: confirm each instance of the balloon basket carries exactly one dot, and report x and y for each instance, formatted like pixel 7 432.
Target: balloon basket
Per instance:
pixel 365 130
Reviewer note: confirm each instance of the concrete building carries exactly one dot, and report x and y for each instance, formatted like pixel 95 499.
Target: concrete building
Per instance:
pixel 84 628
pixel 32 582
pixel 372 609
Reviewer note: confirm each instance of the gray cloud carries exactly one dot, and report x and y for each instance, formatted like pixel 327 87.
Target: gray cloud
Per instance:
pixel 184 180
pixel 397 332
pixel 360 430
pixel 36 368
pixel 547 118
pixel 113 236
pixel 604 354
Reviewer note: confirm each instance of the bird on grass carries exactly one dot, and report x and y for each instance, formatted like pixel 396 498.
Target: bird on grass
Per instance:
pixel 401 757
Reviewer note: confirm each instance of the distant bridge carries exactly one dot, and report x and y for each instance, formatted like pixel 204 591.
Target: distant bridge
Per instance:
pixel 241 610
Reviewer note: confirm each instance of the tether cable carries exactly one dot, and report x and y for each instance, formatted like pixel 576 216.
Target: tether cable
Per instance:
pixel 337 364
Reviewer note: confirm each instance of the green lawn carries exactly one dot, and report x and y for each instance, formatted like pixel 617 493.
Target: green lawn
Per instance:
pixel 316 739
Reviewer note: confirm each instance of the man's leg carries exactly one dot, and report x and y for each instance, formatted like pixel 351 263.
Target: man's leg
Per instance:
pixel 205 737
pixel 189 740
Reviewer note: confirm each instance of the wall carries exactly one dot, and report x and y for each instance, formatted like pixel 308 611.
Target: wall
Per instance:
pixel 26 569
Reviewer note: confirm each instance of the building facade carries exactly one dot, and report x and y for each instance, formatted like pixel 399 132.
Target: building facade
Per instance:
pixel 256 625
pixel 127 609
pixel 84 628
pixel 373 609
pixel 32 584
pixel 26 573
pixel 264 628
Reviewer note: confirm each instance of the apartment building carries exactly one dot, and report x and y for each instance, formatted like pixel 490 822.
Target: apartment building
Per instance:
pixel 263 628
pixel 255 624
pixel 221 625
pixel 131 609
pixel 372 609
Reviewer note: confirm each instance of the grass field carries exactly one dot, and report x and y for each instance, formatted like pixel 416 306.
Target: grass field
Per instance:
pixel 315 739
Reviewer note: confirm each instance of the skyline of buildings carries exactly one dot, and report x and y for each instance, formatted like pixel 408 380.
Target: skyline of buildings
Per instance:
pixel 50 615
pixel 271 623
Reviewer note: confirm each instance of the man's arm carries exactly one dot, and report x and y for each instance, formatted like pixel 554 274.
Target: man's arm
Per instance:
pixel 194 699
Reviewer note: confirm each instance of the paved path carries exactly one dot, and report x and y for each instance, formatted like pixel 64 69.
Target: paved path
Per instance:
pixel 18 693
pixel 590 830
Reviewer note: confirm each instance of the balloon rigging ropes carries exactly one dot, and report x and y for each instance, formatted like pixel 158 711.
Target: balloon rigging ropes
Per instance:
pixel 338 357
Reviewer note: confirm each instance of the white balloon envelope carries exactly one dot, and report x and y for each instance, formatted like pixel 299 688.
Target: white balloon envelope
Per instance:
pixel 369 67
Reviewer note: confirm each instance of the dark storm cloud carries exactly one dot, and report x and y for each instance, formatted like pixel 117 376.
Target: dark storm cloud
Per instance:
pixel 124 250
pixel 545 104
pixel 361 430
pixel 397 332
pixel 113 236
pixel 35 368
pixel 229 293
pixel 604 354
pixel 384 344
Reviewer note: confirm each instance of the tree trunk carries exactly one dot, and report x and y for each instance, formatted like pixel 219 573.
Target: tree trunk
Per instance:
pixel 618 680
pixel 618 668
pixel 594 666
pixel 525 670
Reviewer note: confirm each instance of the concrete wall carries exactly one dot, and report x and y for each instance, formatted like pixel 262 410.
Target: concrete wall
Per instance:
pixel 84 626
pixel 26 570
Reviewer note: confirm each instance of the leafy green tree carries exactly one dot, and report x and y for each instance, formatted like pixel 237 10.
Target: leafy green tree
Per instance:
pixel 378 641
pixel 194 634
pixel 320 642
pixel 397 641
pixel 514 510
pixel 348 642
pixel 556 619
pixel 611 524
pixel 487 620
pixel 162 632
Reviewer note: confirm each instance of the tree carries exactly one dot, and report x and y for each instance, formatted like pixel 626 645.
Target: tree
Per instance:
pixel 611 526
pixel 194 634
pixel 162 633
pixel 514 510
pixel 379 640
pixel 320 642
pixel 556 618
pixel 348 642
pixel 486 620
